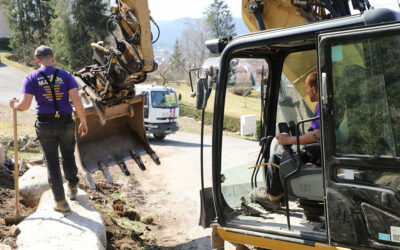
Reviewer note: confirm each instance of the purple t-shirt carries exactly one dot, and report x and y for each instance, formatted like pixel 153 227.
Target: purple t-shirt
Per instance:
pixel 35 84
pixel 315 123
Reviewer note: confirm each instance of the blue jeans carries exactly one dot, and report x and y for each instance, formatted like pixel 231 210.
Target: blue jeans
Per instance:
pixel 52 134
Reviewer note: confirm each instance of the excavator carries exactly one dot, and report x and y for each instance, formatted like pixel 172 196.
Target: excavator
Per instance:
pixel 341 192
pixel 113 110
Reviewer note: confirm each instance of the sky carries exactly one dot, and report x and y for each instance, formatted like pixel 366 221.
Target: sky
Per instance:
pixel 173 9
pixel 162 10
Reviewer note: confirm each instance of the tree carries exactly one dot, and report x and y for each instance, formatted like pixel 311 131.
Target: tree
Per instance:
pixel 219 20
pixel 194 38
pixel 177 62
pixel 29 22
pixel 78 23
pixel 164 72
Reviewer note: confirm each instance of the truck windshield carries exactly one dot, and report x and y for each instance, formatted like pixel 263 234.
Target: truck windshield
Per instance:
pixel 163 99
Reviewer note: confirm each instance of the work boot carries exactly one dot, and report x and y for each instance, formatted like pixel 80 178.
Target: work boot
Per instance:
pixel 72 192
pixel 62 206
pixel 268 201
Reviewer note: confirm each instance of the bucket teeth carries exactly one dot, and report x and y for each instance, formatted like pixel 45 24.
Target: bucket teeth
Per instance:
pixel 103 167
pixel 138 160
pixel 124 169
pixel 155 158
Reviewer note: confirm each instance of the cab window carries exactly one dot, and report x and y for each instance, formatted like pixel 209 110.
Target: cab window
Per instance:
pixel 366 78
pixel 247 79
pixel 164 99
pixel 294 104
pixel 146 105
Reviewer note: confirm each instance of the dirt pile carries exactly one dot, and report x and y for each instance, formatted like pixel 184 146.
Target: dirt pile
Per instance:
pixel 25 144
pixel 7 207
pixel 126 227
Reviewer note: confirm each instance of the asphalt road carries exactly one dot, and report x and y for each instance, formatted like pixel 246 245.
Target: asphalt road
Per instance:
pixel 172 189
pixel 10 84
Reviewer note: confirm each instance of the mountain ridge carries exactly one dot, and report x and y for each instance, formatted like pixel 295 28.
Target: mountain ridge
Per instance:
pixel 173 29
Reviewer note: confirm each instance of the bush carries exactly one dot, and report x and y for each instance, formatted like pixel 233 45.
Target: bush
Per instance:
pixel 5 43
pixel 242 86
pixel 241 90
pixel 231 124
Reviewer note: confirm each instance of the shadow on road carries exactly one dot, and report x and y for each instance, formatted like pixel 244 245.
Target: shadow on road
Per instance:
pixel 2 65
pixel 201 243
pixel 168 142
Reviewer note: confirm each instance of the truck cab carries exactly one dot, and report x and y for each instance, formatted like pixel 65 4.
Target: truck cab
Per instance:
pixel 352 189
pixel 161 109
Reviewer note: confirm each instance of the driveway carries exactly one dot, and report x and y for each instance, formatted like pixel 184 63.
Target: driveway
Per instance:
pixel 10 83
pixel 172 189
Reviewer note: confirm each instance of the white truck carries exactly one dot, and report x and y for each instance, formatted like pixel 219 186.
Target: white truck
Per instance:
pixel 161 109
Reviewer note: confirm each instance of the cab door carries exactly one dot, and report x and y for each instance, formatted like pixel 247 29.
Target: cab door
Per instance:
pixel 359 76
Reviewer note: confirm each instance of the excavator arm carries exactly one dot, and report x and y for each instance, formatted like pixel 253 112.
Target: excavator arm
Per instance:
pixel 119 67
pixel 113 110
pixel 270 14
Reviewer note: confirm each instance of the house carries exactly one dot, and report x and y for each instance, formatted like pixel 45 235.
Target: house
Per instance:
pixel 4 30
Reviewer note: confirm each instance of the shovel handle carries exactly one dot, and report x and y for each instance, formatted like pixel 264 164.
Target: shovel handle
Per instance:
pixel 16 168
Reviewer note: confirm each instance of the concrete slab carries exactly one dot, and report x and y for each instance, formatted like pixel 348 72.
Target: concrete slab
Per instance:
pixel 82 228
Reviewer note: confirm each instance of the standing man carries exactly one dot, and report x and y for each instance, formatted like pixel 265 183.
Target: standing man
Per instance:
pixel 274 192
pixel 55 127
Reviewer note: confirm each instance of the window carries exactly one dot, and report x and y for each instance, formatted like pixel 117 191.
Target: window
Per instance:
pixel 146 105
pixel 294 104
pixel 366 85
pixel 246 79
pixel 163 99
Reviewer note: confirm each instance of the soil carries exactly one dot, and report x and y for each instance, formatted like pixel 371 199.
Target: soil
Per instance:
pixel 139 212
pixel 7 207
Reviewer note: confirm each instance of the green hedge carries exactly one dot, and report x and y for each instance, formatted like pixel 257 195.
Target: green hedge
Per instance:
pixel 231 124
pixel 5 43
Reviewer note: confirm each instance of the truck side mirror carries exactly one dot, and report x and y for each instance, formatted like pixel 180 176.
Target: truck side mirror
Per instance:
pixel 201 93
pixel 179 97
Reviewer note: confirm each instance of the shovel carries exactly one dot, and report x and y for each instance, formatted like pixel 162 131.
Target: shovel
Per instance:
pixel 17 218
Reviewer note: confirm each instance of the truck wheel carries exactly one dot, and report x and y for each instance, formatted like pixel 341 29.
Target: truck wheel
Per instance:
pixel 159 137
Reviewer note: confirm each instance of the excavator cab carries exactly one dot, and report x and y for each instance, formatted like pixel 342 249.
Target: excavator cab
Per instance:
pixel 349 180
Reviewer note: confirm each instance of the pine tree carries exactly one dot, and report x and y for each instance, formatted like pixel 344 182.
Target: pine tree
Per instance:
pixel 29 22
pixel 78 23
pixel 177 62
pixel 62 33
pixel 219 19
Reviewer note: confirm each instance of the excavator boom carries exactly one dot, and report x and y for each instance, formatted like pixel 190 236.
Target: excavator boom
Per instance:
pixel 113 110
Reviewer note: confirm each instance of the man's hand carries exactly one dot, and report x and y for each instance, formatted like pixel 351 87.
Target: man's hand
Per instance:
pixel 283 138
pixel 22 105
pixel 13 102
pixel 83 129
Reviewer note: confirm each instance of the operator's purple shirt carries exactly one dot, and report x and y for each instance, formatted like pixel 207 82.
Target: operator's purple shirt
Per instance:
pixel 315 123
pixel 35 84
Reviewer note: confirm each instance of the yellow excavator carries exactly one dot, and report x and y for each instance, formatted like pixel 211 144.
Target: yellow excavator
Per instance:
pixel 114 112
pixel 341 192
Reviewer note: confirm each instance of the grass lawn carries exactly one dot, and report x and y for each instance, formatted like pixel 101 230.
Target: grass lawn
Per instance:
pixel 234 106
pixel 17 65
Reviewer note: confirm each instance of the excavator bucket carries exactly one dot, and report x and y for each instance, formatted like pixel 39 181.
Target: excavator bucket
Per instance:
pixel 115 135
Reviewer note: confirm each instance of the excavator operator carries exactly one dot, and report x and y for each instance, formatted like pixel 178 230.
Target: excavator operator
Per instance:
pixel 271 196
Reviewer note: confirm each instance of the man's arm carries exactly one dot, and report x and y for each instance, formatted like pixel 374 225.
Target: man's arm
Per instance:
pixel 310 137
pixel 22 105
pixel 76 100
